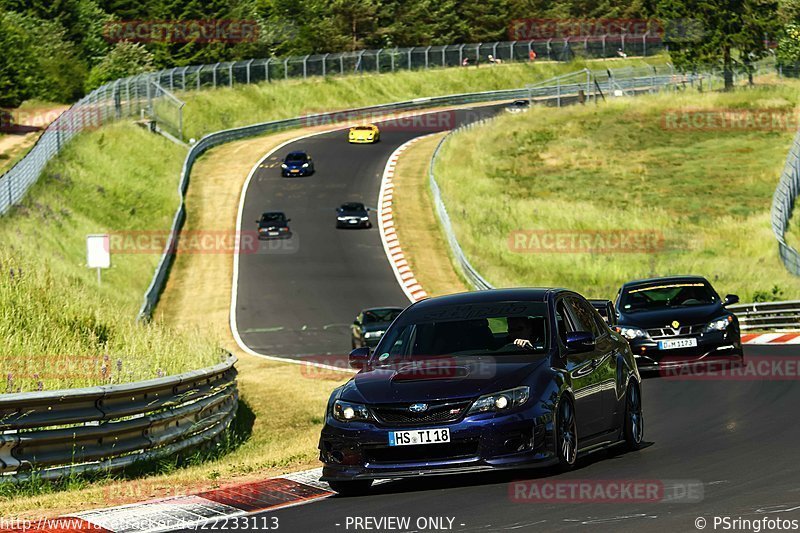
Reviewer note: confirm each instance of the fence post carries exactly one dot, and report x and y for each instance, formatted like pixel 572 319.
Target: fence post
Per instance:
pixel 286 69
pixel 305 67
pixel 558 93
pixel 622 40
pixel 266 69
pixel 549 49
pixel 230 76
pixel 378 60
pixel 171 76
pixel 604 45
pixel 409 58
pixel 644 43
pixel 183 78
pixel 426 57
pixel 324 64
pixel 248 70
pixel 391 57
pixel 341 65
pixel 199 74
pixel 511 51
pixel 461 54
pixel 494 50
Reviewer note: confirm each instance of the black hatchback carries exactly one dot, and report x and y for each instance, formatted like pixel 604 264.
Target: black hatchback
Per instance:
pixel 274 225
pixel 677 320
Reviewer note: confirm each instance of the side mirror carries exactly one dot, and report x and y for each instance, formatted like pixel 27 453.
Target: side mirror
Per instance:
pixel 288 220
pixel 358 358
pixel 580 341
pixel 730 299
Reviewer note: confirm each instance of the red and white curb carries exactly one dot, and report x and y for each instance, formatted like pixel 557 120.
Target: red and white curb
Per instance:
pixel 386 225
pixel 191 511
pixel 771 338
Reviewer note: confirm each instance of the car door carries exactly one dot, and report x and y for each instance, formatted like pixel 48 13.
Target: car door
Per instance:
pixel 583 376
pixel 604 357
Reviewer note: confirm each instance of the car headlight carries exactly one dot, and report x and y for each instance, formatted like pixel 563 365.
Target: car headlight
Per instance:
pixel 305 165
pixel 284 165
pixel 719 324
pixel 500 401
pixel 364 219
pixel 341 218
pixel 349 412
pixel 373 334
pixel 631 333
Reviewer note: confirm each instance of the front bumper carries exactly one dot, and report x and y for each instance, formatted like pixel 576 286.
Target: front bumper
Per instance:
pixel 362 140
pixel 351 451
pixel 717 346
pixel 289 172
pixel 272 235
pixel 357 224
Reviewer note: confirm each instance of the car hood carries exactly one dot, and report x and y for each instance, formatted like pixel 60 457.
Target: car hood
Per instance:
pixel 439 379
pixel 352 213
pixel 294 164
pixel 268 225
pixel 687 316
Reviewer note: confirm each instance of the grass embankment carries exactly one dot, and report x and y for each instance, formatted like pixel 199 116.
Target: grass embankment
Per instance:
pixel 617 168
pixel 208 111
pixel 59 329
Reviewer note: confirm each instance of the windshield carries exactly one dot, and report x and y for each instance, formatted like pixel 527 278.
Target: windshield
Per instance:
pixel 381 315
pixel 668 295
pixel 520 332
pixel 296 157
pixel 363 128
pixel 352 207
pixel 272 217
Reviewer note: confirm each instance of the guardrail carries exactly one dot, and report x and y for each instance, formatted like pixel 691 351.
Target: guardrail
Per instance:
pixel 768 315
pixel 48 435
pixel 653 81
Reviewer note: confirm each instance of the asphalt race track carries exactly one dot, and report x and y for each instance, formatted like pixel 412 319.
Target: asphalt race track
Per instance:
pixel 738 438
pixel 298 297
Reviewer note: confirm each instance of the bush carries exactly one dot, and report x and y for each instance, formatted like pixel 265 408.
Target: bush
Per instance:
pixel 125 59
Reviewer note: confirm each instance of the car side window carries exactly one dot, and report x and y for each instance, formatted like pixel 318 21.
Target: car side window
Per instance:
pixel 584 316
pixel 563 323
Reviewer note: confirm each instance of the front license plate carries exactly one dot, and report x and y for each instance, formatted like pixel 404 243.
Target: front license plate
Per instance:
pixel 273 234
pixel 354 221
pixel 295 172
pixel 419 436
pixel 677 343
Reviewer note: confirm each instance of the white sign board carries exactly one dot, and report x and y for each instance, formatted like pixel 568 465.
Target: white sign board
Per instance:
pixel 98 252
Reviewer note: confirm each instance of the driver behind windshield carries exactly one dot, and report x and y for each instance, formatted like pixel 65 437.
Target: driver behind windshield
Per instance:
pixel 522 332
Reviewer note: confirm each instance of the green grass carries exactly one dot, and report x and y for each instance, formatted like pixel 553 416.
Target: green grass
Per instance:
pixel 208 111
pixel 59 329
pixel 615 167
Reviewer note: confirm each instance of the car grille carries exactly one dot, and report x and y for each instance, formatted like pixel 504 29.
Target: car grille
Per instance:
pixel 669 332
pixel 437 413
pixel 429 452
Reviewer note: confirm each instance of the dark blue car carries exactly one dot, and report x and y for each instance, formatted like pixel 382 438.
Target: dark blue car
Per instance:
pixel 482 381
pixel 297 164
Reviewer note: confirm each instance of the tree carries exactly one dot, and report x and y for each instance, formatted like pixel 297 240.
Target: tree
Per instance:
pixel 125 59
pixel 729 27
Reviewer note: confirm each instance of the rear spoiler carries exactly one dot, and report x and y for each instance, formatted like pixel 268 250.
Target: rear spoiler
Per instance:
pixel 606 310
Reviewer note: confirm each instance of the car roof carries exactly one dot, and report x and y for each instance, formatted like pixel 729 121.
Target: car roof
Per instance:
pixel 299 152
pixel 534 294
pixel 388 308
pixel 665 279
pixel 272 213
pixel 353 205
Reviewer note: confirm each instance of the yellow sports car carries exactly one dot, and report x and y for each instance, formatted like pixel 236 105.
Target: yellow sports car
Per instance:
pixel 368 133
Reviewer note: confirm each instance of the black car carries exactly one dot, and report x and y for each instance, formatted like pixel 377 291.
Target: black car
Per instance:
pixel 606 310
pixel 518 106
pixel 352 215
pixel 274 225
pixel 370 325
pixel 677 320
pixel 480 381
pixel 297 164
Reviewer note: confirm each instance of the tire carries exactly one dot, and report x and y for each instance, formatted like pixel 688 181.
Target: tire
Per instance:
pixel 633 425
pixel 566 434
pixel 357 487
